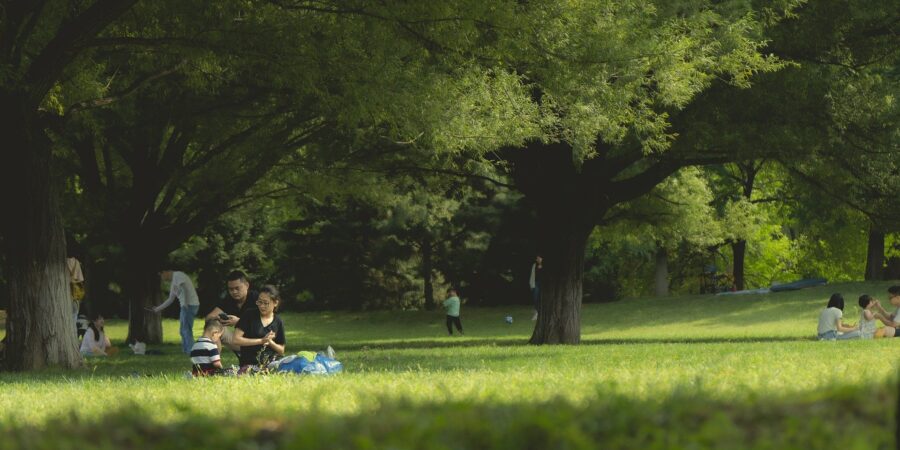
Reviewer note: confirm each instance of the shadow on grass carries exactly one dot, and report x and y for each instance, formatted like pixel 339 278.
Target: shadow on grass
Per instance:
pixel 517 342
pixel 683 420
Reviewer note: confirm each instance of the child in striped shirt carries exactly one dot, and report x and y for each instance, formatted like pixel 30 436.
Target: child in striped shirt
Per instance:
pixel 205 357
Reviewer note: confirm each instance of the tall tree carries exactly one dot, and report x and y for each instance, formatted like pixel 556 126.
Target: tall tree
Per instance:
pixel 175 137
pixel 857 66
pixel 578 94
pixel 39 41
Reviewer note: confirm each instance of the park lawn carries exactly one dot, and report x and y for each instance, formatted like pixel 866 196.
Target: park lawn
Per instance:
pixel 683 372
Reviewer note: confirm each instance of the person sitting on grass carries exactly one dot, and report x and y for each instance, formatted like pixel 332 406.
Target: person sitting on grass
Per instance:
pixel 894 299
pixel 260 332
pixel 239 299
pixel 451 304
pixel 95 341
pixel 831 326
pixel 871 313
pixel 205 357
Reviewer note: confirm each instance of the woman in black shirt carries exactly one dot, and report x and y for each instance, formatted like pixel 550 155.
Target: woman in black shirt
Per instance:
pixel 260 332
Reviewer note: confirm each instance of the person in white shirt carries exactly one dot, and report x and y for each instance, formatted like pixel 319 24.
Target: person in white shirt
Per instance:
pixel 534 282
pixel 872 312
pixel 181 287
pixel 831 326
pixel 95 342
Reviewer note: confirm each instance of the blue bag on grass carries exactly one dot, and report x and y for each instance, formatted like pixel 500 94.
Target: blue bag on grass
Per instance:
pixel 331 365
pixel 320 365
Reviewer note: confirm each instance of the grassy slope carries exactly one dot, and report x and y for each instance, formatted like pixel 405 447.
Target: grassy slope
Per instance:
pixel 687 372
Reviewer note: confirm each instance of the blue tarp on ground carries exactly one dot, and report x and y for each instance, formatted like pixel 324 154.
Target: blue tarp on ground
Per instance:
pixel 799 284
pixel 794 285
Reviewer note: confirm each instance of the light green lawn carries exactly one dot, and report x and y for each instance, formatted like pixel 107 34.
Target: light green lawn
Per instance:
pixel 701 371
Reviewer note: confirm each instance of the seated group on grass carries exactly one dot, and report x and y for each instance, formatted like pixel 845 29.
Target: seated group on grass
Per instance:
pixel 258 336
pixel 257 339
pixel 832 327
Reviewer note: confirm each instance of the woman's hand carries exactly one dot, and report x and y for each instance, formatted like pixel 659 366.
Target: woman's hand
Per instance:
pixel 267 339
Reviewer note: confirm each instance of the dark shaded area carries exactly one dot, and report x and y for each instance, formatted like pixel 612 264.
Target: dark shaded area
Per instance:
pixel 518 342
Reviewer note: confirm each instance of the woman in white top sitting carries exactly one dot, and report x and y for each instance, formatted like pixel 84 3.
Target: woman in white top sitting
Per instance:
pixel 831 325
pixel 95 342
pixel 868 321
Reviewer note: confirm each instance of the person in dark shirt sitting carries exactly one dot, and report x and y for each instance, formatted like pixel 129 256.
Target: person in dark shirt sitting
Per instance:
pixel 239 300
pixel 205 358
pixel 260 332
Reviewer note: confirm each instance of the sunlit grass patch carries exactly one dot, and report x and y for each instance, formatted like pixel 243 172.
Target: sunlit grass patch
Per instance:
pixel 715 372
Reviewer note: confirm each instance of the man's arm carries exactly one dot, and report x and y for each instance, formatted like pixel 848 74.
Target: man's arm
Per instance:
pixel 214 314
pixel 173 294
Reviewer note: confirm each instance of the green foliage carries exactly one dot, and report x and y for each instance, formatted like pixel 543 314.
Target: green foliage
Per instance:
pixel 676 217
pixel 677 211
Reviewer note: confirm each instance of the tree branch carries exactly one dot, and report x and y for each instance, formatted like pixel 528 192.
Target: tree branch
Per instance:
pixel 62 49
pixel 137 84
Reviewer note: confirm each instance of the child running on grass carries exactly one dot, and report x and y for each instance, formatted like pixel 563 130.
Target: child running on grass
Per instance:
pixel 871 313
pixel 830 322
pixel 451 304
pixel 205 357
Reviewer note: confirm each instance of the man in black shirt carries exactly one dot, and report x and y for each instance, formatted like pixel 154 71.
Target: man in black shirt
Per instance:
pixel 239 299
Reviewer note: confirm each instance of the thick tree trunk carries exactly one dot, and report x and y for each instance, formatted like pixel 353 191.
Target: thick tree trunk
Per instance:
pixel 875 255
pixel 739 252
pixel 559 318
pixel 40 330
pixel 142 290
pixel 427 271
pixel 661 274
pixel 748 171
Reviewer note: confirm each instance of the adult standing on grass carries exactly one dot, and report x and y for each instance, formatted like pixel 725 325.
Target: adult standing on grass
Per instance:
pixel 181 287
pixel 76 285
pixel 451 304
pixel 534 282
pixel 239 300
pixel 260 332
pixel 831 324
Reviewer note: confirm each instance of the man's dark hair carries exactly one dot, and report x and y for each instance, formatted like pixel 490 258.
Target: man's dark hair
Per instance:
pixel 836 301
pixel 864 300
pixel 894 290
pixel 237 275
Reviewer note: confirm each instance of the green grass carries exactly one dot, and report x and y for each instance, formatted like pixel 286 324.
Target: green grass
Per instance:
pixel 684 372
